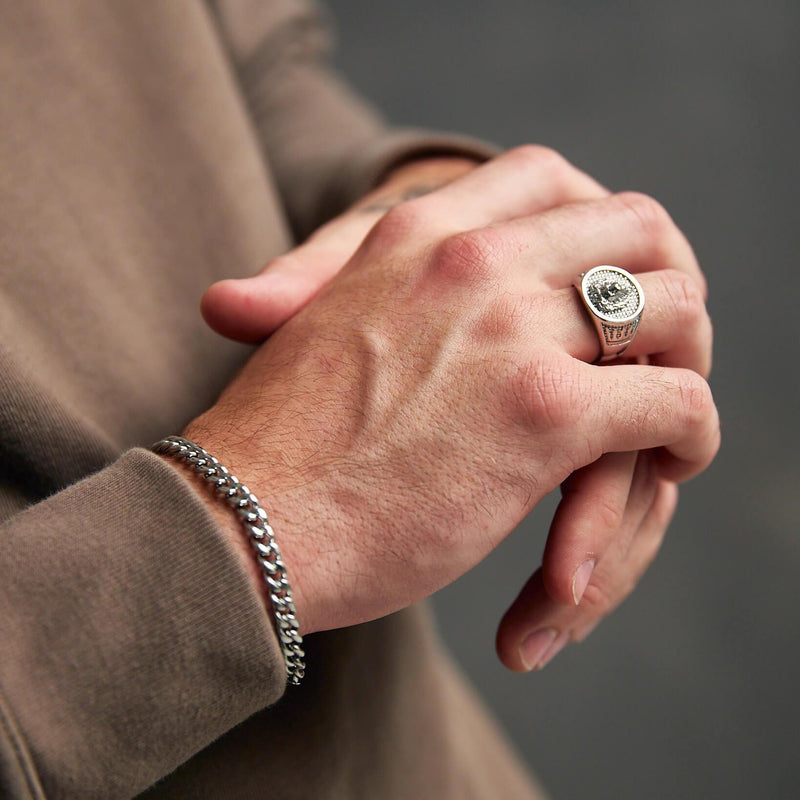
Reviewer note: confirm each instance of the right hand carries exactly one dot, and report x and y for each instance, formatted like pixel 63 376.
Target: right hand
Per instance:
pixel 403 423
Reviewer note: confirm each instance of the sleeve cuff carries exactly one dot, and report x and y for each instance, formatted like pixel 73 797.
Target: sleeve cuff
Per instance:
pixel 136 635
pixel 367 168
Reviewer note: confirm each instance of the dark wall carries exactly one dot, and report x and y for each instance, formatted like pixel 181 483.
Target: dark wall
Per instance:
pixel 691 689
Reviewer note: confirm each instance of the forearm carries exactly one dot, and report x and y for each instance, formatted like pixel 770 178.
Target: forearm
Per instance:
pixel 412 179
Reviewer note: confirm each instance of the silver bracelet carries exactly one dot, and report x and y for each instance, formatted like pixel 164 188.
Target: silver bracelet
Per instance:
pixel 262 539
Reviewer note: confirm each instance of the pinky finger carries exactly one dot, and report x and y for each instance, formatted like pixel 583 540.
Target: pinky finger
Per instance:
pixel 536 627
pixel 643 549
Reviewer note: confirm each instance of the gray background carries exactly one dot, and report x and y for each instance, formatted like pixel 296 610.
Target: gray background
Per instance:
pixel 691 689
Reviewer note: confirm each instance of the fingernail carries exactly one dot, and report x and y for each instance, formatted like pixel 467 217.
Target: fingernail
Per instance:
pixel 557 647
pixel 535 646
pixel 581 579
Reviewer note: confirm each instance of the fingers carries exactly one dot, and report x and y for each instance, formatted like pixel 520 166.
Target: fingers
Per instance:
pixel 623 568
pixel 524 181
pixel 628 230
pixel 537 627
pixel 250 309
pixel 590 410
pixel 637 407
pixel 518 196
pixel 588 518
pixel 675 329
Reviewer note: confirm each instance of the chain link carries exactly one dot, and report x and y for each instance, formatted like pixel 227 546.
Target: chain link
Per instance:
pixel 262 540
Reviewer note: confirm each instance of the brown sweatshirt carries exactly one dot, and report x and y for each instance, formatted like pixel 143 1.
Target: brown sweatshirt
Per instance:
pixel 146 150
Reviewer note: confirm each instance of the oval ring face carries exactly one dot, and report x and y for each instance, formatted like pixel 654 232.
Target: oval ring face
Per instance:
pixel 612 293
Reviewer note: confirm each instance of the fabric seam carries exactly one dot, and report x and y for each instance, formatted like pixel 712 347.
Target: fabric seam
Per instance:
pixel 20 752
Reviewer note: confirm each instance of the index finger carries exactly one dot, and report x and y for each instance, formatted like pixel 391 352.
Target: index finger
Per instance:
pixel 636 407
pixel 630 230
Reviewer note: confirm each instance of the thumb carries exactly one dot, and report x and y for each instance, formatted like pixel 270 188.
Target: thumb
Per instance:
pixel 250 309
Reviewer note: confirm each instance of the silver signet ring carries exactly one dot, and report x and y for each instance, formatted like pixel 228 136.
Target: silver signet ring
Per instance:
pixel 614 300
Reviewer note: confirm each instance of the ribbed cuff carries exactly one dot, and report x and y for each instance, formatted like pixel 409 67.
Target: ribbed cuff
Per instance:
pixel 367 168
pixel 133 635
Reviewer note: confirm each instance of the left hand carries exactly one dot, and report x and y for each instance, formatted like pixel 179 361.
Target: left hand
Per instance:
pixel 250 309
pixel 613 514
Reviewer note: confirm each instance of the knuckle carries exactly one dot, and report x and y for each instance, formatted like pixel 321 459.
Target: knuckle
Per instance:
pixel 688 317
pixel 503 319
pixel 687 296
pixel 469 256
pixel 600 598
pixel 687 301
pixel 648 215
pixel 607 514
pixel 403 221
pixel 551 392
pixel 538 157
pixel 697 403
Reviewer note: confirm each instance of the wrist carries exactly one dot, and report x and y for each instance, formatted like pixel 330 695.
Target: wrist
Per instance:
pixel 277 491
pixel 413 179
pixel 228 524
pixel 254 523
pixel 442 167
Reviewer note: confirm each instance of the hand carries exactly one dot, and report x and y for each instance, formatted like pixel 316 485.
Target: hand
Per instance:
pixel 402 424
pixel 599 509
pixel 250 309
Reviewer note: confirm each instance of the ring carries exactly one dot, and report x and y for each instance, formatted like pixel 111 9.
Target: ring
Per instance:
pixel 614 300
